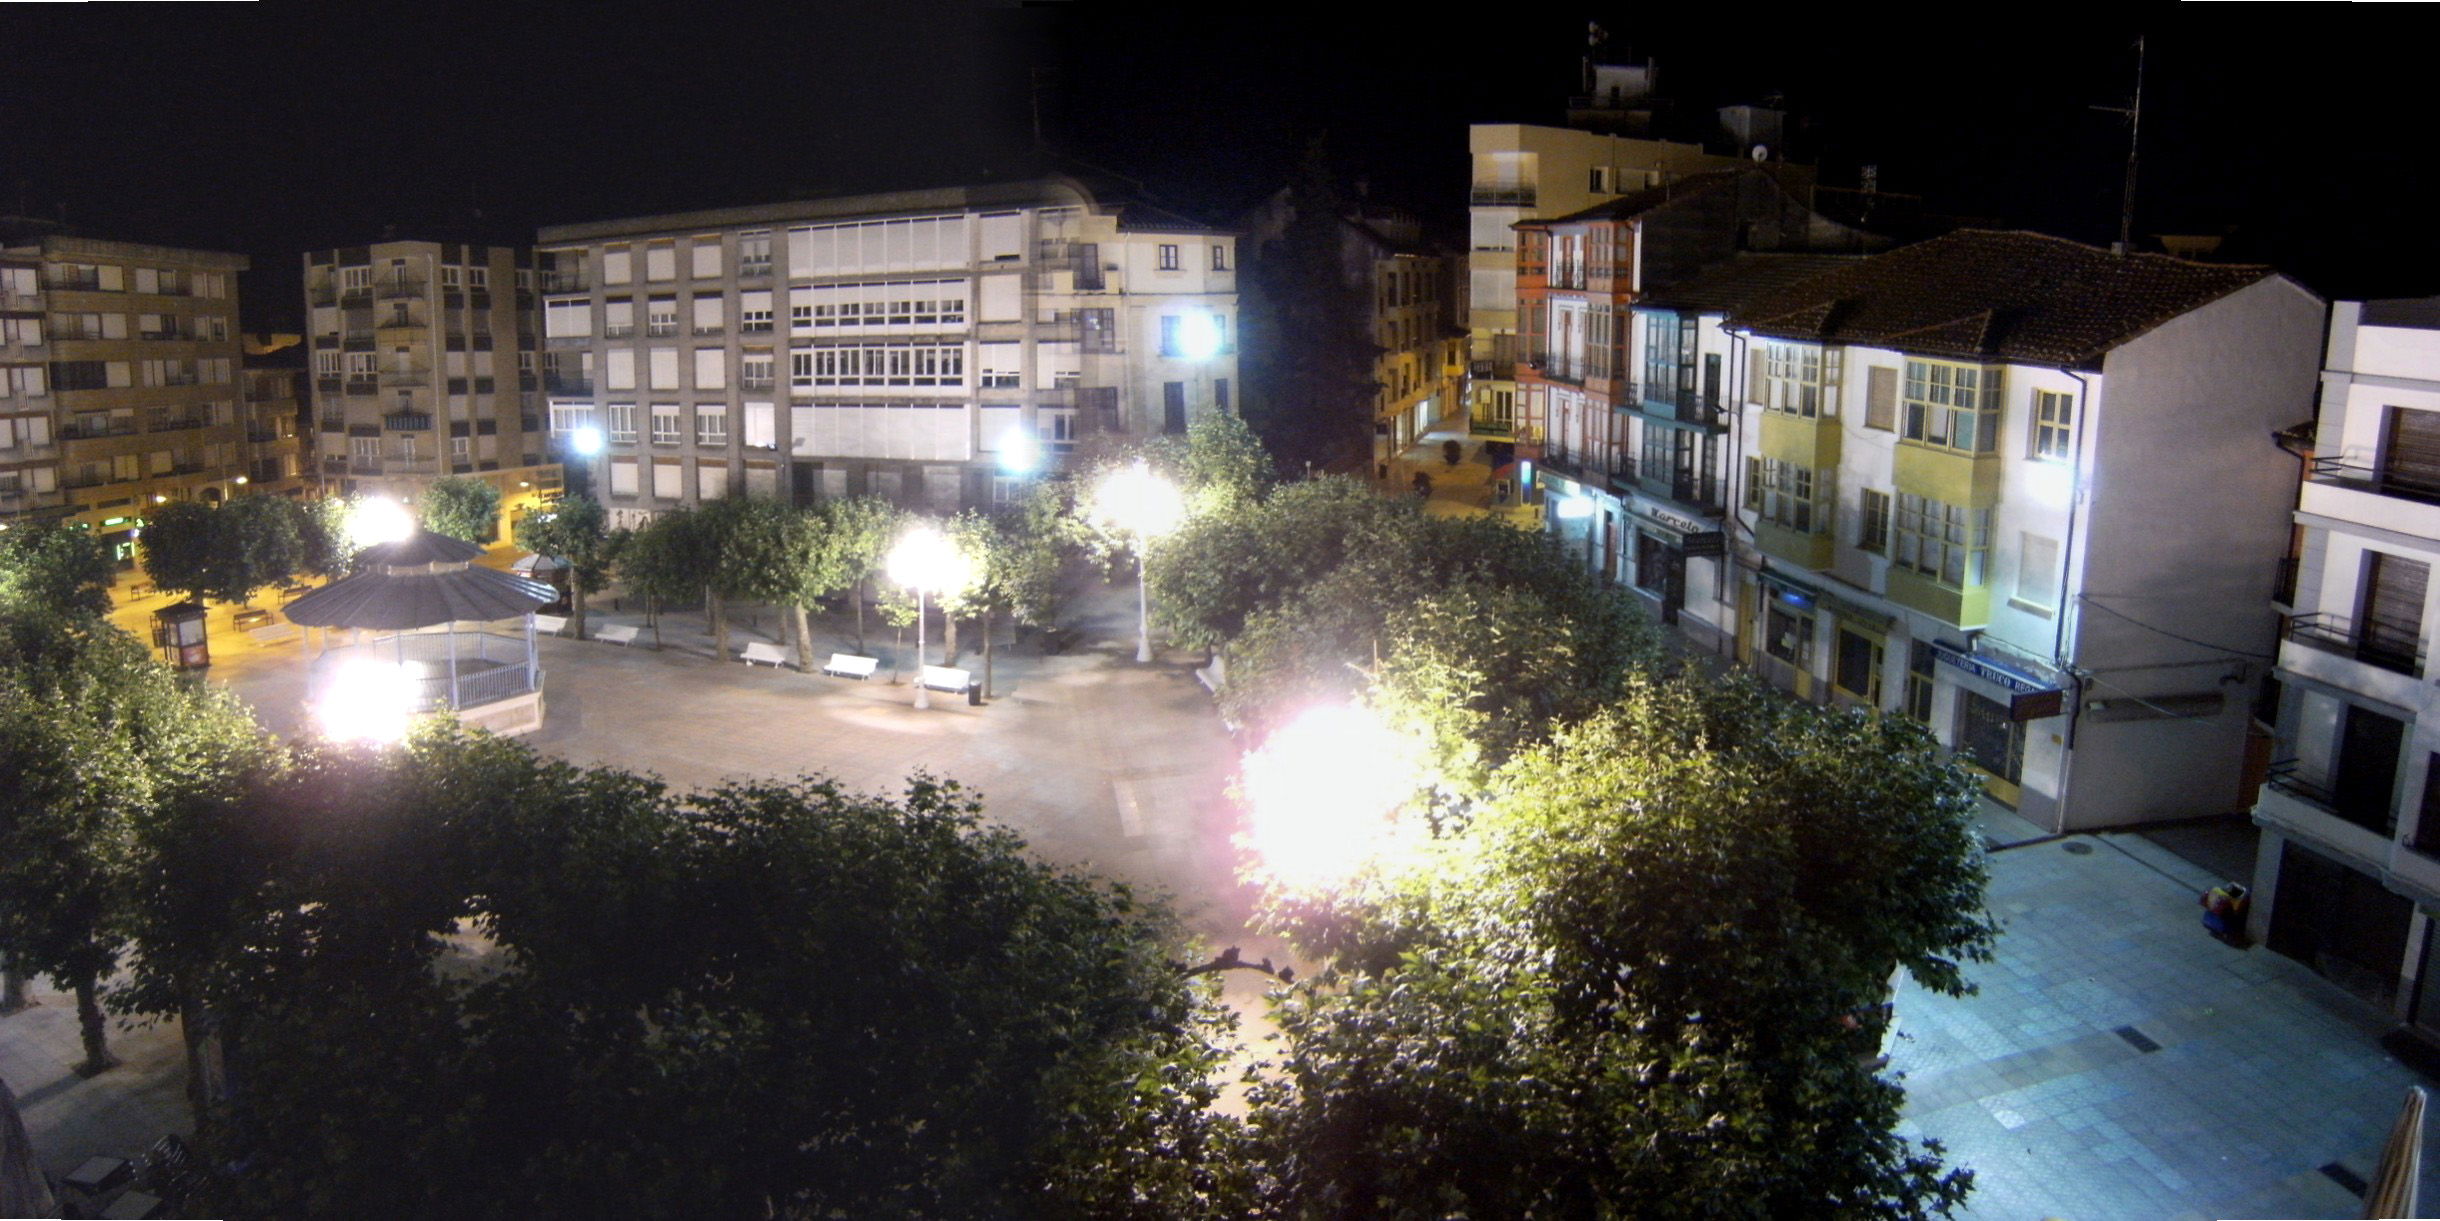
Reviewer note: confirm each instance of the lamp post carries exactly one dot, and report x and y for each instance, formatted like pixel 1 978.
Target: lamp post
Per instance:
pixel 1137 501
pixel 925 559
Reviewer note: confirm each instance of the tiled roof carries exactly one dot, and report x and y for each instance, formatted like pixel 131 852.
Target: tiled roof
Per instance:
pixel 1982 294
pixel 1726 285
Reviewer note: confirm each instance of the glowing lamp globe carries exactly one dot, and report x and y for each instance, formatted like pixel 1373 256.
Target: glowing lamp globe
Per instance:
pixel 378 519
pixel 1321 792
pixel 368 701
pixel 1198 336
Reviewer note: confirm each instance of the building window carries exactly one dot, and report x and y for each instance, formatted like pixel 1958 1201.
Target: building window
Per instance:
pixel 1798 379
pixel 1787 630
pixel 1858 672
pixel 1872 530
pixel 364 449
pixel 1169 257
pixel 622 423
pixel 1173 407
pixel 2054 426
pixel 1948 543
pixel 1919 680
pixel 665 424
pixel 754 253
pixel 754 371
pixel 1220 393
pixel 1219 258
pixel 1952 406
pixel 2037 573
pixel 1782 493
pixel 711 424
pixel 566 418
pixel 661 317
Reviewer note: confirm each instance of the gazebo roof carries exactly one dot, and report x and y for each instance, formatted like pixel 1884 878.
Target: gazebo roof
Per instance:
pixel 421 581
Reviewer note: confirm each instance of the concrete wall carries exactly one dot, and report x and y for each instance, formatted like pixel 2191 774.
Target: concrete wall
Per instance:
pixel 2189 507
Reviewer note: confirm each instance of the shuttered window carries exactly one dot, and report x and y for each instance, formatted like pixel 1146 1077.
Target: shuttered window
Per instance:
pixel 2391 631
pixel 1881 400
pixel 2413 449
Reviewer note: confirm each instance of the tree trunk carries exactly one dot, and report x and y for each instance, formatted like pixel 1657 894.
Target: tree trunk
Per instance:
pixel 804 636
pixel 855 593
pixel 92 1028
pixel 205 1088
pixel 948 638
pixel 13 995
pixel 718 610
pixel 576 608
pixel 652 615
pixel 987 652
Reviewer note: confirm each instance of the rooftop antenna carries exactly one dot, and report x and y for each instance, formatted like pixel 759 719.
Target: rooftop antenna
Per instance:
pixel 2133 110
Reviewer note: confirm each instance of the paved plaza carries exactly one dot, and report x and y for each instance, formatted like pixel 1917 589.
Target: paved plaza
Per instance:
pixel 2117 1062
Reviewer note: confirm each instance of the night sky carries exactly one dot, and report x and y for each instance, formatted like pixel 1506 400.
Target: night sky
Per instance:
pixel 274 129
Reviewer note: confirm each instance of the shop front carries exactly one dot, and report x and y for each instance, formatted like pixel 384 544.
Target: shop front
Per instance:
pixel 1996 706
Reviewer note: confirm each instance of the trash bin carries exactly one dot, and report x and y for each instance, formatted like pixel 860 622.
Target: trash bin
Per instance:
pixel 974 692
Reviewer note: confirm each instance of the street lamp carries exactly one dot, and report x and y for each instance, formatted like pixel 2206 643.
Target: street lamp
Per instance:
pixel 378 519
pixel 1321 791
pixel 1136 500
pixel 925 559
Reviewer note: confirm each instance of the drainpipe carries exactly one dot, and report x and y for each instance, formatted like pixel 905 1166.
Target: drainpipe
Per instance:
pixel 2067 566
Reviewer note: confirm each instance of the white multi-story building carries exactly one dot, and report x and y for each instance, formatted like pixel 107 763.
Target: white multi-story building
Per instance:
pixel 910 346
pixel 424 369
pixel 2348 870
pixel 2018 488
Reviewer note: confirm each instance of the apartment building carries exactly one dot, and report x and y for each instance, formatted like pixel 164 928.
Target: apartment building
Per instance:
pixel 118 380
pixel 1626 433
pixel 1640 456
pixel 917 346
pixel 2348 871
pixel 273 400
pixel 1420 371
pixel 2018 488
pixel 1521 173
pixel 425 368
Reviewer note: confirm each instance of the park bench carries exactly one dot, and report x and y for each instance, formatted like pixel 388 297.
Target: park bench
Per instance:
pixel 848 665
pixel 617 633
pixel 550 625
pixel 249 618
pixel 763 652
pixel 946 678
pixel 275 633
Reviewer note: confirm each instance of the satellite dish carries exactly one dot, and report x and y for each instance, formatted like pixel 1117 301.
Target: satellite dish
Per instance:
pixel 1762 152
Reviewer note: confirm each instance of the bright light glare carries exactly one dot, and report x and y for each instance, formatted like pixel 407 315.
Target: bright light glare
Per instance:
pixel 588 441
pixel 1571 508
pixel 926 559
pixel 1019 452
pixel 1321 791
pixel 378 519
pixel 1198 336
pixel 1138 501
pixel 2050 483
pixel 368 701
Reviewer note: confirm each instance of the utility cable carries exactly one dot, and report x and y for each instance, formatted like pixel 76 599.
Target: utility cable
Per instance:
pixel 2096 604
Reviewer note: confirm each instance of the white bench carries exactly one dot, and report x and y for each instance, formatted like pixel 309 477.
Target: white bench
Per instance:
pixel 763 653
pixel 848 665
pixel 550 625
pixel 275 633
pixel 617 633
pixel 945 678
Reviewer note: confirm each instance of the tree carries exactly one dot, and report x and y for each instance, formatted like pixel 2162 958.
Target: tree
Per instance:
pixel 757 999
pixel 1310 371
pixel 862 529
pixel 462 508
pixel 96 738
pixel 1643 976
pixel 326 547
pixel 575 532
pixel 752 544
pixel 224 553
pixel 182 547
pixel 53 565
pixel 259 544
pixel 665 561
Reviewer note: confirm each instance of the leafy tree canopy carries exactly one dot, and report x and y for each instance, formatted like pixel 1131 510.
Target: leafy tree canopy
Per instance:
pixel 462 508
pixel 63 567
pixel 1641 978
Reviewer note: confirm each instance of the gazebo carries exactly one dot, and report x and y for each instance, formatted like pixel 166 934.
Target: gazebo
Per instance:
pixel 419 590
